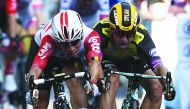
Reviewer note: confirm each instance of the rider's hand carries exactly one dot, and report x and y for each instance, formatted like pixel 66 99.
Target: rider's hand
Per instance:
pixel 95 91
pixel 101 85
pixel 170 96
pixel 169 91
pixel 32 97
pixel 35 96
pixel 91 88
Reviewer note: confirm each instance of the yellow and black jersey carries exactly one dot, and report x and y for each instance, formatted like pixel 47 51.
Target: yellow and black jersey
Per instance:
pixel 142 44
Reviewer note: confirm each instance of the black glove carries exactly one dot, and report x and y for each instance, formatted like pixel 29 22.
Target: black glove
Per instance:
pixel 101 85
pixel 169 89
pixel 171 95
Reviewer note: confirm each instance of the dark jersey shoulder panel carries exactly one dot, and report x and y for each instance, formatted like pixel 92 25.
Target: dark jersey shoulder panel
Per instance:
pixel 145 44
pixel 103 28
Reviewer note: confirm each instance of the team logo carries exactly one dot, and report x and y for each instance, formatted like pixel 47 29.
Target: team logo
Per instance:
pixel 153 52
pixel 43 50
pixel 94 44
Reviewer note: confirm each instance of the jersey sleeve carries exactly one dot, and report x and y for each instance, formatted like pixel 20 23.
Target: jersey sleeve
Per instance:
pixel 11 6
pixel 45 51
pixel 147 47
pixel 92 45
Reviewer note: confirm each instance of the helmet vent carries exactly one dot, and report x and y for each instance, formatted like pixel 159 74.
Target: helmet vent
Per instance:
pixel 72 33
pixel 77 34
pixel 60 36
pixel 65 32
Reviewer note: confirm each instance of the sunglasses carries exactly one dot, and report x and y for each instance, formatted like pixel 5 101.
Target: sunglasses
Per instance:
pixel 123 33
pixel 68 44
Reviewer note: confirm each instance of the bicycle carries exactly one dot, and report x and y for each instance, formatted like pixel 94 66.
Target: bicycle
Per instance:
pixel 131 100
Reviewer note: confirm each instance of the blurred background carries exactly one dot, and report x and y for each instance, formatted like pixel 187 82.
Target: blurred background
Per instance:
pixel 168 22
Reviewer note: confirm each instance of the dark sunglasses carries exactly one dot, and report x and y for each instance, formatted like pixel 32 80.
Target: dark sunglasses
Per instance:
pixel 123 33
pixel 72 43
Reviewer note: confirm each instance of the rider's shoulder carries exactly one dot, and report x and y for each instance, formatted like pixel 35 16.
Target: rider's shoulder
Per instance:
pixel 142 29
pixel 102 23
pixel 103 27
pixel 141 34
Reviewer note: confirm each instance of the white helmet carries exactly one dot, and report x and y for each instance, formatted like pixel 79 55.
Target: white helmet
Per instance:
pixel 67 26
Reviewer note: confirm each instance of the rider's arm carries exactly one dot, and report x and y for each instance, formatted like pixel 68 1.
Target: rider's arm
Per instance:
pixel 45 51
pixel 94 56
pixel 11 9
pixel 95 70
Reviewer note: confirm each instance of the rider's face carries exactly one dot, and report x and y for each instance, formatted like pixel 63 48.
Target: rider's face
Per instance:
pixel 121 39
pixel 71 49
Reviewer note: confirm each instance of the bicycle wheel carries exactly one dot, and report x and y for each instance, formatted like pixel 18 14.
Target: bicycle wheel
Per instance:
pixel 55 106
pixel 21 83
pixel 134 104
pixel 65 105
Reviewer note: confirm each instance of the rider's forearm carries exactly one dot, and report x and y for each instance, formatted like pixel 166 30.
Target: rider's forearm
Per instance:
pixel 95 69
pixel 161 71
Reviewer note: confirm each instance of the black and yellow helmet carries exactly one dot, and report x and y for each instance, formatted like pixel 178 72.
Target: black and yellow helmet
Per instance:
pixel 124 16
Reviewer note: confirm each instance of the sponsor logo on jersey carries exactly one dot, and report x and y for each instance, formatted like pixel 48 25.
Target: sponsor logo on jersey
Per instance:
pixel 94 44
pixel 43 50
pixel 153 52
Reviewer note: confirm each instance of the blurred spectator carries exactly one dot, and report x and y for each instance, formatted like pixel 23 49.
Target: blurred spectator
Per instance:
pixel 10 10
pixel 145 8
pixel 180 6
pixel 30 13
pixel 91 11
pixel 181 10
pixel 50 8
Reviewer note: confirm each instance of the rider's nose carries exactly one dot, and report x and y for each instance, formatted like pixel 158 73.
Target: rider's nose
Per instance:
pixel 124 39
pixel 70 48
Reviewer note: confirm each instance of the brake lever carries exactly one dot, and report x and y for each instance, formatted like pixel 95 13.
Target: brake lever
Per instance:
pixel 32 86
pixel 168 82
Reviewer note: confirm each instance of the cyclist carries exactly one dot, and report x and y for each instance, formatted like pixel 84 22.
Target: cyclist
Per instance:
pixel 60 42
pixel 127 44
